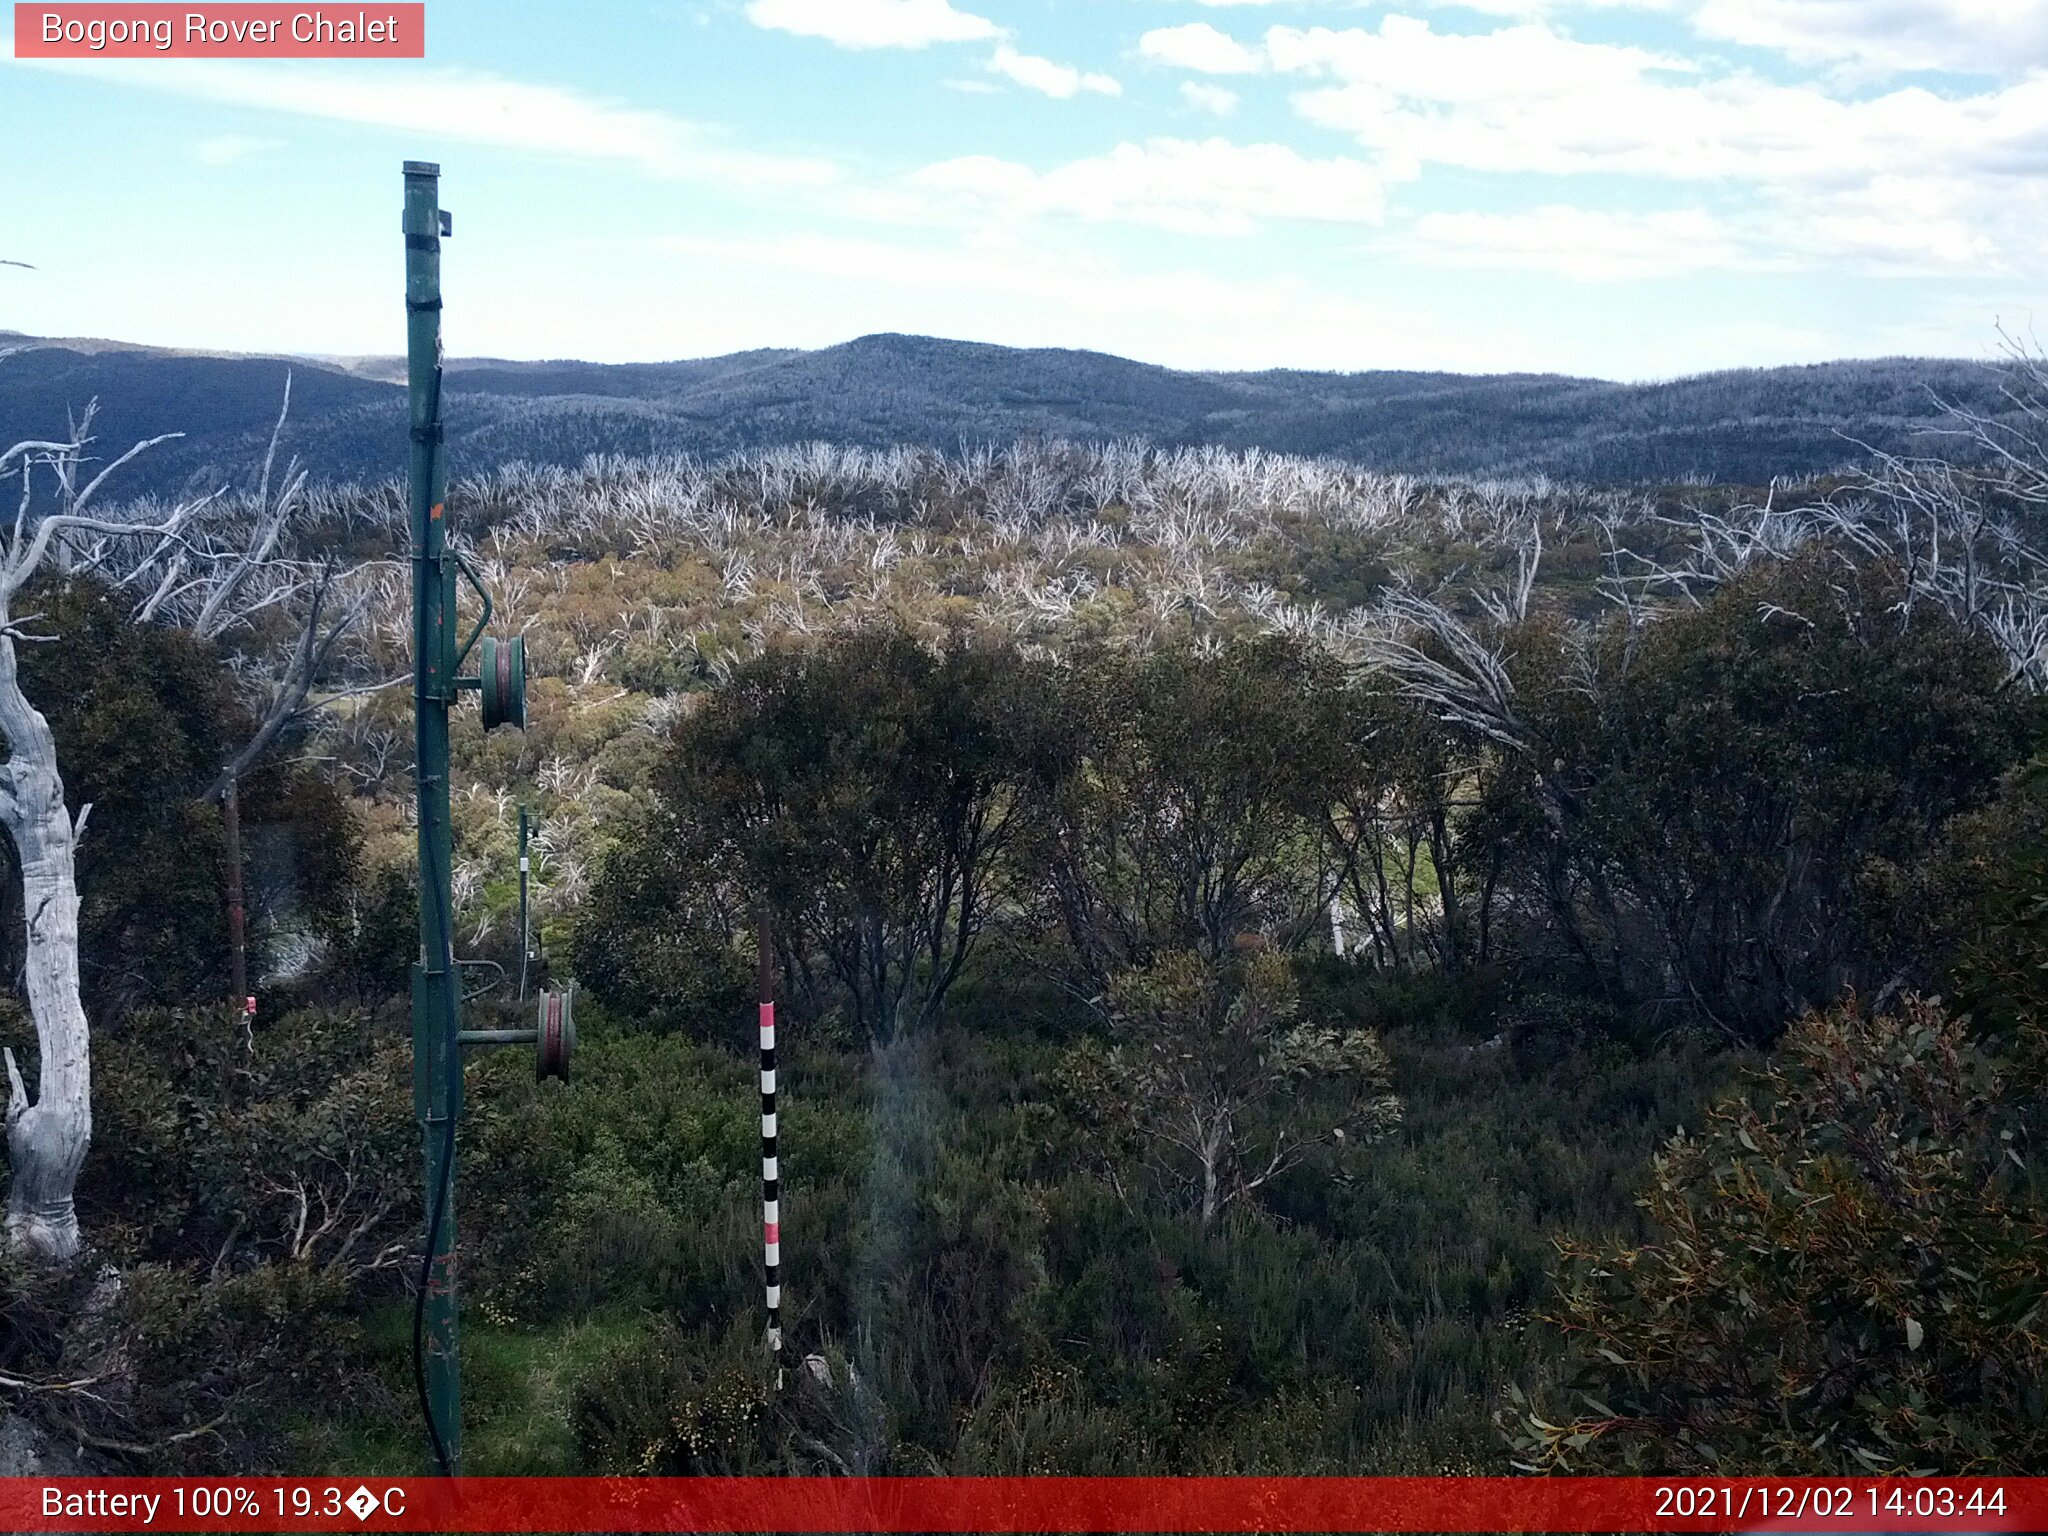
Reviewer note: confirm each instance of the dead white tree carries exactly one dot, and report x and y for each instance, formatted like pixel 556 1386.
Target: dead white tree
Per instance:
pixel 47 1137
pixel 243 579
pixel 244 576
pixel 1456 669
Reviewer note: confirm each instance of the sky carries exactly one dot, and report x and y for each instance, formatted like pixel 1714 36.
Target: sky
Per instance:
pixel 1633 189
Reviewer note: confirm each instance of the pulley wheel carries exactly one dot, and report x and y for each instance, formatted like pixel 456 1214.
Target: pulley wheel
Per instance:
pixel 502 665
pixel 557 1042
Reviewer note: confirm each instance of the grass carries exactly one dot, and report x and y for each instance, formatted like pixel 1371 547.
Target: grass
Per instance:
pixel 518 1386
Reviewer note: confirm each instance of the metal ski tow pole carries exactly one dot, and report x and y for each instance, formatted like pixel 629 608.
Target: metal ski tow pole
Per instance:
pixel 437 1061
pixel 437 1032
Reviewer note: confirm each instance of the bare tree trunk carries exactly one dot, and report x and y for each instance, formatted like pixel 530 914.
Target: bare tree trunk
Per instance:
pixel 46 1140
pixel 1443 855
pixel 1212 1169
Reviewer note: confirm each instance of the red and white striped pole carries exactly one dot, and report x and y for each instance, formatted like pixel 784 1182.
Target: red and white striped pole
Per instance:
pixel 771 1175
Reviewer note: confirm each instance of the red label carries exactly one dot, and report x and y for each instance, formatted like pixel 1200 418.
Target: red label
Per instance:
pixel 243 31
pixel 1025 1504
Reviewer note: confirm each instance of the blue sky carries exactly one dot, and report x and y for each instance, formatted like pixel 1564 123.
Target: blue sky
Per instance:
pixel 1629 188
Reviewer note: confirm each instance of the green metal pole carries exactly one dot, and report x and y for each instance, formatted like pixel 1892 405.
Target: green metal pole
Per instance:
pixel 437 1063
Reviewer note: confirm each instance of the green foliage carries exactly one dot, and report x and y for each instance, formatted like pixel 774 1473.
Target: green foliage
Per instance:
pixel 658 938
pixel 176 1369
pixel 861 792
pixel 1847 1274
pixel 663 1406
pixel 1994 877
pixel 982 1304
pixel 1338 567
pixel 221 1144
pixel 1187 803
pixel 638 1183
pixel 144 719
pixel 1187 811
pixel 1748 791
pixel 1032 886
pixel 1216 1085
pixel 248 1192
pixel 376 937
pixel 1414 863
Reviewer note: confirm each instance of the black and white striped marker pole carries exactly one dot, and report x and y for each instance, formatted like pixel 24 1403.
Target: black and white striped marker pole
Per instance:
pixel 771 1177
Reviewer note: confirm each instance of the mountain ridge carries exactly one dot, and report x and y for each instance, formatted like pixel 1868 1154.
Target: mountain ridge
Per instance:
pixel 1745 426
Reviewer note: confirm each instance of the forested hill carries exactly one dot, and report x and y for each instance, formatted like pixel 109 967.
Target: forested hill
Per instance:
pixel 1742 427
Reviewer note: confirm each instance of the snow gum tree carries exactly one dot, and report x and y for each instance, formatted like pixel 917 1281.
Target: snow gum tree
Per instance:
pixel 47 1136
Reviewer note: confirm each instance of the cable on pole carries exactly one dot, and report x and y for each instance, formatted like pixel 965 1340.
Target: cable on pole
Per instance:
pixel 443 1188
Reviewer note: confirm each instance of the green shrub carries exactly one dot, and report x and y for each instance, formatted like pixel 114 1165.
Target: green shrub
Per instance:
pixel 1847 1275
pixel 145 718
pixel 657 940
pixel 250 1193
pixel 674 1405
pixel 230 1144
pixel 1743 795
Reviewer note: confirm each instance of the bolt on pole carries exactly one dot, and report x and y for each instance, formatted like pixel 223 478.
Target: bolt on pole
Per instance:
pixel 437 1063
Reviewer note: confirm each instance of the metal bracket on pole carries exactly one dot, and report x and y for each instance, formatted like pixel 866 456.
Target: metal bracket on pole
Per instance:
pixel 476 585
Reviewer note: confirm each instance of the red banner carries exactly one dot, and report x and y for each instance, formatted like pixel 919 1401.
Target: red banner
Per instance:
pixel 239 31
pixel 998 1504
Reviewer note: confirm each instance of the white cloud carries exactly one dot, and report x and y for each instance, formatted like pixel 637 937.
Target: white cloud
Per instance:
pixel 465 106
pixel 1509 7
pixel 919 24
pixel 1213 99
pixel 1927 224
pixel 1529 98
pixel 1200 47
pixel 1594 244
pixel 1876 240
pixel 1405 58
pixel 1047 77
pixel 1609 119
pixel 874 23
pixel 1899 231
pixel 1907 180
pixel 1208 186
pixel 227 148
pixel 1539 8
pixel 1997 37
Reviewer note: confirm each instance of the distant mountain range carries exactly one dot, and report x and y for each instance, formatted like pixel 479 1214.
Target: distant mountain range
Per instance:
pixel 1742 427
